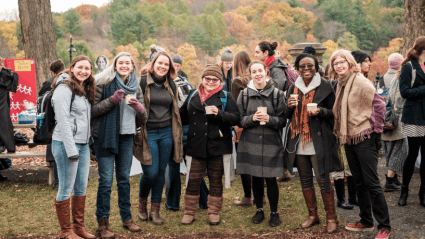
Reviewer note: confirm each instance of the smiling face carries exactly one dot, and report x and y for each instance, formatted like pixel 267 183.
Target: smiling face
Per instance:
pixel 161 66
pixel 258 75
pixel 307 68
pixel 81 70
pixel 365 66
pixel 227 65
pixel 340 65
pixel 210 83
pixel 259 55
pixel 124 66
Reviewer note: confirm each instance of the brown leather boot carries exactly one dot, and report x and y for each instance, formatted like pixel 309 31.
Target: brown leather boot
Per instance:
pixel 103 230
pixel 154 216
pixel 214 207
pixel 78 206
pixel 331 218
pixel 62 210
pixel 190 207
pixel 310 200
pixel 131 226
pixel 143 209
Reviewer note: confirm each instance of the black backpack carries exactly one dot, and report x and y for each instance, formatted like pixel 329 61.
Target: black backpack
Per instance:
pixel 46 115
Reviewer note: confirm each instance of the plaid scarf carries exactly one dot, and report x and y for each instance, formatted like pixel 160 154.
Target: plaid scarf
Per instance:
pixel 204 96
pixel 300 118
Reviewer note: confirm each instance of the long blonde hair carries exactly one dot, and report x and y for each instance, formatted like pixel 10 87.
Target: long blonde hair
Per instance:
pixel 353 66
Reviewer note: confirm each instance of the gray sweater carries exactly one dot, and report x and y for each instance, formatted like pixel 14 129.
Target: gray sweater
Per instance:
pixel 160 105
pixel 73 127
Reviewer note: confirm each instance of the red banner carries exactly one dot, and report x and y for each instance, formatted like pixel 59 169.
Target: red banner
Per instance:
pixel 27 90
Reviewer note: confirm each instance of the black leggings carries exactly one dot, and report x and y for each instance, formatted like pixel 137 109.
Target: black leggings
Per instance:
pixel 409 164
pixel 272 192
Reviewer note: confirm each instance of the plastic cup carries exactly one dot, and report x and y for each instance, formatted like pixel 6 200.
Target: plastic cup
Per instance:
pixel 208 110
pixel 128 98
pixel 264 111
pixel 311 107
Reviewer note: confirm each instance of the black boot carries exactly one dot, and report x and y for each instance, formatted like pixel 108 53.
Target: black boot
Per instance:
pixel 390 185
pixel 340 194
pixel 398 183
pixel 352 195
pixel 422 196
pixel 403 196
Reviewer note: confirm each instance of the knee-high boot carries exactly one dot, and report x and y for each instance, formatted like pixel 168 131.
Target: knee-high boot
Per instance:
pixel 310 200
pixel 331 218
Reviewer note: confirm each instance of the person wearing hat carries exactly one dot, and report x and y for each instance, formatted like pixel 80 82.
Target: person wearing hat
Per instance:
pixel 364 61
pixel 178 63
pixel 209 142
pixel 226 63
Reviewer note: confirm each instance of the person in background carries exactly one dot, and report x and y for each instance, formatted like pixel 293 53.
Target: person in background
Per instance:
pixel 226 63
pixel 162 134
pixel 55 68
pixel 310 141
pixel 260 149
pixel 114 123
pixel 178 63
pixel 359 121
pixel 413 116
pixel 395 143
pixel 70 143
pixel 240 82
pixel 364 61
pixel 209 141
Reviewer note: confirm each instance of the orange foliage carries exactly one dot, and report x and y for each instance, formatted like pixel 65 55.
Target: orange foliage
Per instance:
pixel 234 48
pixel 85 10
pixel 237 25
pixel 380 57
pixel 284 52
pixel 310 38
pixel 130 49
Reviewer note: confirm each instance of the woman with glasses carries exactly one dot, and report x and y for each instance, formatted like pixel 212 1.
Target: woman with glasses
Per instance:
pixel 210 112
pixel 359 121
pixel 310 143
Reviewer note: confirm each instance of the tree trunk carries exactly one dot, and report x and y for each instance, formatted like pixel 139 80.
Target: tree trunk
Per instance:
pixel 38 36
pixel 414 22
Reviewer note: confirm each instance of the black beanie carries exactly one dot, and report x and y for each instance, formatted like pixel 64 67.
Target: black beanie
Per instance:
pixel 310 50
pixel 360 56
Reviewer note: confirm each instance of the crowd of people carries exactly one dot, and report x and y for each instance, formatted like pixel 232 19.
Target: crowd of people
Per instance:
pixel 327 122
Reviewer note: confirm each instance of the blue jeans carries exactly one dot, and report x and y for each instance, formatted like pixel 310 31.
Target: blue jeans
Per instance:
pixel 73 174
pixel 55 172
pixel 161 145
pixel 122 162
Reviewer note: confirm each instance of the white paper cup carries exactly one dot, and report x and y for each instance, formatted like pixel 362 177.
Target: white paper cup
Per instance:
pixel 208 110
pixel 295 96
pixel 264 111
pixel 128 98
pixel 311 107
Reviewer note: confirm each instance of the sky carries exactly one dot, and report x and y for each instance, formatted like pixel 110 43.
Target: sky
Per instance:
pixel 9 7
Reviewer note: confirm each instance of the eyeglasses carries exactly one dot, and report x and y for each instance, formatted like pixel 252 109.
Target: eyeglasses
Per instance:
pixel 339 63
pixel 308 66
pixel 214 80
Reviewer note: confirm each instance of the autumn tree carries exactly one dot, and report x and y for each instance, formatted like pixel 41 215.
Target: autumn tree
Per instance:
pixel 72 22
pixel 414 22
pixel 38 36
pixel 237 25
pixel 331 47
pixel 348 41
pixel 80 45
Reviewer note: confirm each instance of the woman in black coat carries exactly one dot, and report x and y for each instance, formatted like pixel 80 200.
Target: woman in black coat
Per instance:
pixel 209 112
pixel 310 142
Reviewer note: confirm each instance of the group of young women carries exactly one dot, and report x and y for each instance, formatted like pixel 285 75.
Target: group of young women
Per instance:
pixel 127 116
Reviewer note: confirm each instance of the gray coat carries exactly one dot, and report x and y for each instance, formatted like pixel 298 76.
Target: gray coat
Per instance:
pixel 102 106
pixel 73 127
pixel 260 148
pixel 321 129
pixel 277 73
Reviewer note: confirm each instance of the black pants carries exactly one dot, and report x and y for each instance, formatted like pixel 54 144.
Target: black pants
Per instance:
pixel 272 192
pixel 409 164
pixel 363 161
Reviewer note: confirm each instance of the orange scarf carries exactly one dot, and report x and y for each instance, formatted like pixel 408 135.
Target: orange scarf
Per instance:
pixel 300 118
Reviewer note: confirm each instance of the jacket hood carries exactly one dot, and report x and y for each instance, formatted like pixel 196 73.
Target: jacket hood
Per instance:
pixel 62 77
pixel 268 85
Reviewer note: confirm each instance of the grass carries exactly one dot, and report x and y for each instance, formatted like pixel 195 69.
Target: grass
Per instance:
pixel 26 207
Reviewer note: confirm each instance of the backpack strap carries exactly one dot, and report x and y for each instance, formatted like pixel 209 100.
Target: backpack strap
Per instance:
pixel 245 98
pixel 190 97
pixel 275 100
pixel 413 74
pixel 224 100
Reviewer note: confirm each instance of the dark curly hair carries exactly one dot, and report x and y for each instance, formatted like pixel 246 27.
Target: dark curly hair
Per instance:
pixel 267 46
pixel 304 55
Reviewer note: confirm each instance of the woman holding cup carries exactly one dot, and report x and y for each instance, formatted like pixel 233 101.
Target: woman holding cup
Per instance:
pixel 260 150
pixel 310 142
pixel 209 140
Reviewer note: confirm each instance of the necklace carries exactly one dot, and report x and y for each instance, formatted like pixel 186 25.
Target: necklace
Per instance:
pixel 159 85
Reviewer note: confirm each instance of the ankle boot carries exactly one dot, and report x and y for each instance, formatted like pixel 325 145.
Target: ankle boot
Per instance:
pixel 190 207
pixel 154 215
pixel 62 210
pixel 103 230
pixel 310 200
pixel 403 196
pixel 214 207
pixel 352 195
pixel 390 185
pixel 340 193
pixel 396 181
pixel 78 206
pixel 131 226
pixel 143 209
pixel 422 196
pixel 331 218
